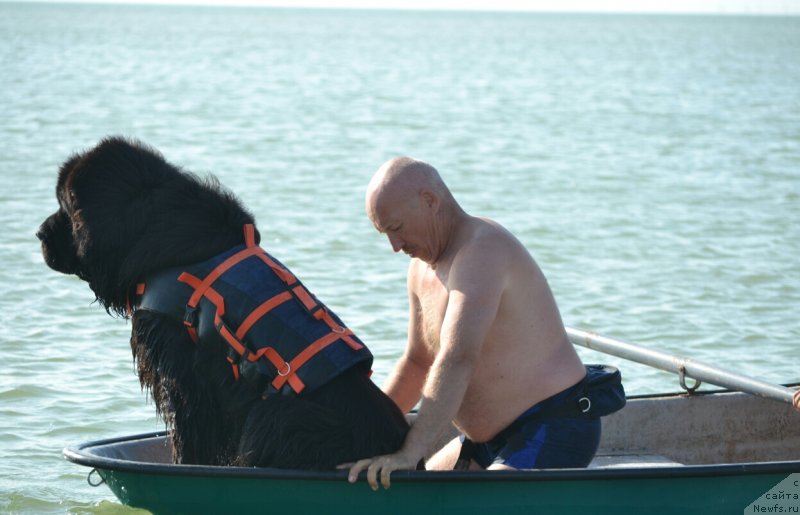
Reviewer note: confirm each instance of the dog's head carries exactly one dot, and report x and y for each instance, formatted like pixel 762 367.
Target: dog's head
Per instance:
pixel 124 212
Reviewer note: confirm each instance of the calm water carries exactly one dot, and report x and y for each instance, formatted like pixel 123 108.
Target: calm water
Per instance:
pixel 650 164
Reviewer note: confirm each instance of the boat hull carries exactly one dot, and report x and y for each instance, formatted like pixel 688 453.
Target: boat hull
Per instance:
pixel 166 488
pixel 189 494
pixel 716 452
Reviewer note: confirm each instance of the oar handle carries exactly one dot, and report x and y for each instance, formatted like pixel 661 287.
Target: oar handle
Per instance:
pixel 684 366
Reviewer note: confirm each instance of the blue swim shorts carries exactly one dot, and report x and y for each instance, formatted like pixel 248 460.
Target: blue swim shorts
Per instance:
pixel 536 440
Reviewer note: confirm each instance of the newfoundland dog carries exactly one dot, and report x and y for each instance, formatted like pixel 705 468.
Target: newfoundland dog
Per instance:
pixel 244 365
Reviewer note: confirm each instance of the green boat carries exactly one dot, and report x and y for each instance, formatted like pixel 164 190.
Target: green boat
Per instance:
pixel 712 452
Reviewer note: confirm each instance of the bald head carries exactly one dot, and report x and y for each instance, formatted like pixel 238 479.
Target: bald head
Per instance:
pixel 408 201
pixel 403 179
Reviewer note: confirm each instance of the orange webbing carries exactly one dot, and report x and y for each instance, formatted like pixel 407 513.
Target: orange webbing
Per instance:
pixel 285 275
pixel 212 295
pixel 249 235
pixel 283 368
pixel 308 301
pixel 189 279
pixel 304 297
pixel 305 355
pixel 234 368
pixel 201 287
pixel 272 355
pixel 296 383
pixel 287 371
pixel 260 311
pixel 223 267
pixel 192 332
pixel 128 306
pixel 322 314
pixel 230 338
pixel 208 291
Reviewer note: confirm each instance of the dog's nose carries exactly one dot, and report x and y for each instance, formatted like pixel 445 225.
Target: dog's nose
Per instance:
pixel 40 234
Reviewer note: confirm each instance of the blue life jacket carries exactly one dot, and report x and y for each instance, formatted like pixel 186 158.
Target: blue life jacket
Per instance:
pixel 279 335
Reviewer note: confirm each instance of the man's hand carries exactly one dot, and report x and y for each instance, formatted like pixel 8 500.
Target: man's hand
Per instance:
pixel 384 465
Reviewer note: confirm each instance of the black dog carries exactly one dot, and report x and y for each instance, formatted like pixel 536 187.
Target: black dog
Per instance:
pixel 126 216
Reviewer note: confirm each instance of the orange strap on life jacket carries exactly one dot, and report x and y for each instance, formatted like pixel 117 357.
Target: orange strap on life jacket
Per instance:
pixel 139 292
pixel 286 371
pixel 260 311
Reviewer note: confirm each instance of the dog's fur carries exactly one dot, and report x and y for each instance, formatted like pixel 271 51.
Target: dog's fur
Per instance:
pixel 125 212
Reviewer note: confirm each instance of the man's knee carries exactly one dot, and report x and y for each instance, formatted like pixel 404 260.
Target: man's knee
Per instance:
pixel 497 466
pixel 446 457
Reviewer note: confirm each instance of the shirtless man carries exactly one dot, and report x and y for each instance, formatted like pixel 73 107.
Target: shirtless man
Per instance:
pixel 485 339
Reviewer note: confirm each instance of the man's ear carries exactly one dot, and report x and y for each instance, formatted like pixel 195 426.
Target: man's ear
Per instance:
pixel 430 199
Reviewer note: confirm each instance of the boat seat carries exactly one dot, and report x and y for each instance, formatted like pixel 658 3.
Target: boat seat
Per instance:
pixel 632 460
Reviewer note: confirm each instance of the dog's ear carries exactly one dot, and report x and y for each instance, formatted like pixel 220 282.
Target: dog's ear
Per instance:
pixel 65 173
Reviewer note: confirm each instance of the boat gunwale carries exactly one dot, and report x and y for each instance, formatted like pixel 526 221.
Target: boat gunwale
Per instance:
pixel 697 393
pixel 79 455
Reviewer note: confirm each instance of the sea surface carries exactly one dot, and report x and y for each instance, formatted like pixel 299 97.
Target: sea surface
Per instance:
pixel 651 164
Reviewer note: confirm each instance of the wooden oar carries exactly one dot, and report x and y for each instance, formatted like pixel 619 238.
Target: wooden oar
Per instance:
pixel 684 367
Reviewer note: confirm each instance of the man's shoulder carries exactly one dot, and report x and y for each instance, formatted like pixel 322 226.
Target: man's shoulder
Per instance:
pixel 486 228
pixel 495 250
pixel 488 237
pixel 488 247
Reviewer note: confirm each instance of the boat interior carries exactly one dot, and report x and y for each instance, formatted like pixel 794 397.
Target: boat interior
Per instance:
pixel 651 431
pixel 700 429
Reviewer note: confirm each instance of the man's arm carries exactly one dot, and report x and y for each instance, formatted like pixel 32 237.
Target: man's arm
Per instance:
pixel 404 385
pixel 476 284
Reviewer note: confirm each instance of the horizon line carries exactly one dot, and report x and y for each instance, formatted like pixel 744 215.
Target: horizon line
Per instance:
pixel 710 7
